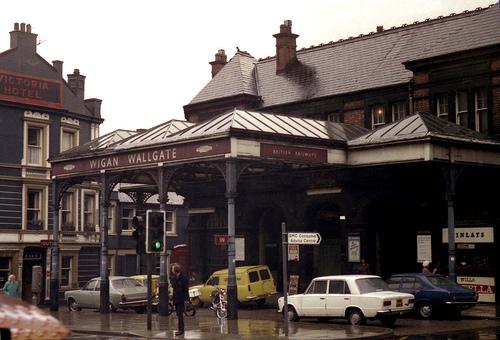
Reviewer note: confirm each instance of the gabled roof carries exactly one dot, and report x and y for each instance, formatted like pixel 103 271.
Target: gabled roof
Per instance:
pixel 235 78
pixel 267 123
pixel 421 126
pixel 356 64
pixel 156 134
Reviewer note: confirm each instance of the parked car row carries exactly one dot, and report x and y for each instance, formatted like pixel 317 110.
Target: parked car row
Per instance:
pixel 355 297
pixel 361 297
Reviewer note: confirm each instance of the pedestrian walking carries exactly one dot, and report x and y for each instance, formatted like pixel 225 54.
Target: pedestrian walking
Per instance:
pixel 180 287
pixel 11 287
pixel 425 268
pixel 362 267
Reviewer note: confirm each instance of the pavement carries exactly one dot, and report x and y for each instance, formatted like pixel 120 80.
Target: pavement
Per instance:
pixel 252 323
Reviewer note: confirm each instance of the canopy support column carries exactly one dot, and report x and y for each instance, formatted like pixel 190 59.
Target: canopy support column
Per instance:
pixel 54 264
pixel 103 209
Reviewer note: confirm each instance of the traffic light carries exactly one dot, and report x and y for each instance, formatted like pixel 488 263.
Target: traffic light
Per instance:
pixel 139 234
pixel 155 231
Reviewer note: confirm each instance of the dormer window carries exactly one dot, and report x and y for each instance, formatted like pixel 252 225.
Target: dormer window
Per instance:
pixel 378 115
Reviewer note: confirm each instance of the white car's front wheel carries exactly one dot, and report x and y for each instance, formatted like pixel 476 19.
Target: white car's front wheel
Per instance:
pixel 355 317
pixel 73 305
pixel 292 314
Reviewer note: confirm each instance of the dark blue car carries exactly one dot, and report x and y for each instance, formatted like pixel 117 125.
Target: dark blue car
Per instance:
pixel 434 293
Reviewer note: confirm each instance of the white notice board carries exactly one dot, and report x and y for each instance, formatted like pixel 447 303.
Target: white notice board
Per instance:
pixel 424 248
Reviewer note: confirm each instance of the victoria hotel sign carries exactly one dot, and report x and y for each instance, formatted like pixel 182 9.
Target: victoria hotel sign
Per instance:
pixel 26 89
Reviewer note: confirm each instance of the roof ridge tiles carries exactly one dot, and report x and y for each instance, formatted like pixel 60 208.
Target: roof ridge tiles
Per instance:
pixel 363 36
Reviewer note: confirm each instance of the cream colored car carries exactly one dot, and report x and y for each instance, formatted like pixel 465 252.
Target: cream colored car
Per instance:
pixel 355 297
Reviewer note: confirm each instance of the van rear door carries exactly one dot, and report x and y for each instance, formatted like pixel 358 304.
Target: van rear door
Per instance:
pixel 254 284
pixel 267 281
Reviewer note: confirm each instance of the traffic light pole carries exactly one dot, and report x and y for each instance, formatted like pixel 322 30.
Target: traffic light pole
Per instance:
pixel 149 291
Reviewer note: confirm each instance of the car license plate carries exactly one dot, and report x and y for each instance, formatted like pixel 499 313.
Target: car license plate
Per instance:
pixel 399 303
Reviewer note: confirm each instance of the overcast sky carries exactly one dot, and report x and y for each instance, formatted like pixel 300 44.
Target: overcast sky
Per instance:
pixel 146 59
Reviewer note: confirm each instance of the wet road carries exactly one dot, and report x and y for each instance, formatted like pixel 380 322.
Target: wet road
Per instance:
pixel 268 324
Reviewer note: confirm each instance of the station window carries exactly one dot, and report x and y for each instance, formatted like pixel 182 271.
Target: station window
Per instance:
pixel 462 112
pixel 378 115
pixel 334 117
pixel 442 106
pixel 398 110
pixel 481 110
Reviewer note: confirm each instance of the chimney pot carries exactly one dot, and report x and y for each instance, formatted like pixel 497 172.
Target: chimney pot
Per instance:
pixel 380 29
pixel 94 106
pixel 76 82
pixel 286 46
pixel 22 38
pixel 219 62
pixel 58 65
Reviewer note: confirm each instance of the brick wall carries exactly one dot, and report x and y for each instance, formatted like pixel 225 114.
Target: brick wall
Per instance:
pixel 421 100
pixel 356 117
pixel 354 112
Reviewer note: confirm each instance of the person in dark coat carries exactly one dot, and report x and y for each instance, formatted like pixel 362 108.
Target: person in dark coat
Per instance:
pixel 180 286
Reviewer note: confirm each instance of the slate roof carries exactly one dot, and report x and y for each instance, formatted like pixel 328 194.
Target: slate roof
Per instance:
pixel 262 123
pixel 356 64
pixel 238 72
pixel 274 124
pixel 157 134
pixel 421 126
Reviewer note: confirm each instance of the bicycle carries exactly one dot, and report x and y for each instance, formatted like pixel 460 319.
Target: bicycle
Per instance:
pixel 189 308
pixel 219 304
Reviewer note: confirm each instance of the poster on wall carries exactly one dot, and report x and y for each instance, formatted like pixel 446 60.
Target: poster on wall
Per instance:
pixel 354 246
pixel 293 285
pixel 424 248
pixel 239 244
pixel 293 252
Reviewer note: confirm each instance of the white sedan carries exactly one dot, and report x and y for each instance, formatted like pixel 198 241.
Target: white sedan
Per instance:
pixel 355 297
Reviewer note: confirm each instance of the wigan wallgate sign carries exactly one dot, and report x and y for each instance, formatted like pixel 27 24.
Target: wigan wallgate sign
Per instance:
pixel 141 157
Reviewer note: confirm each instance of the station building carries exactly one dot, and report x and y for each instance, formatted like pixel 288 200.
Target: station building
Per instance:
pixel 382 143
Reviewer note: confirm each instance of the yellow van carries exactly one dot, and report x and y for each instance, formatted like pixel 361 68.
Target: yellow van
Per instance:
pixel 154 282
pixel 254 283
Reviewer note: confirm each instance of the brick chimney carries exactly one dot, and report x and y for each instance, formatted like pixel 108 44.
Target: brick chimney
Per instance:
pixel 22 38
pixel 286 46
pixel 219 62
pixel 94 106
pixel 76 82
pixel 58 65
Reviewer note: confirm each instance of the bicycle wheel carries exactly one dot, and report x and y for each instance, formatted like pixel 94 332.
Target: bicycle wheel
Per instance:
pixel 221 311
pixel 189 309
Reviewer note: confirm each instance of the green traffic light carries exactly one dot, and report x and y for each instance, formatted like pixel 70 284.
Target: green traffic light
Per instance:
pixel 157 244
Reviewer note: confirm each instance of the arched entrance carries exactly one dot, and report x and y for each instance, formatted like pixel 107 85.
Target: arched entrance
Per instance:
pixel 269 221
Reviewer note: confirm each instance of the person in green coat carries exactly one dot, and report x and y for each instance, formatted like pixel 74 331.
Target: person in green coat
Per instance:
pixel 11 287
